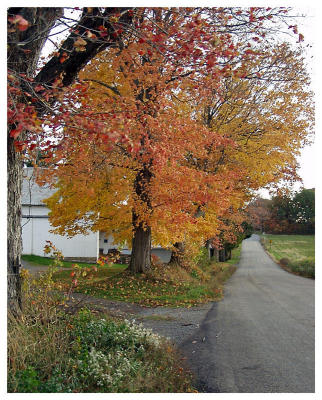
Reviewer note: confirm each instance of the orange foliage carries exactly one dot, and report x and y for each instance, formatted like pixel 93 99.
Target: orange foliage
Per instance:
pixel 136 151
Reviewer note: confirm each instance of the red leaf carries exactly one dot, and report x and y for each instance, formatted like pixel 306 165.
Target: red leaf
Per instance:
pixel 15 132
pixel 38 88
pixel 20 22
pixel 19 145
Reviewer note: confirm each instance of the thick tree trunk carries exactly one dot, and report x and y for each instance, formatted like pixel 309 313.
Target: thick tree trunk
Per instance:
pixel 141 243
pixel 23 53
pixel 141 250
pixel 14 245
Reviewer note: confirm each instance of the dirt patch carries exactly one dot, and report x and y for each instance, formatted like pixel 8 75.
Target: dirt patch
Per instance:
pixel 111 307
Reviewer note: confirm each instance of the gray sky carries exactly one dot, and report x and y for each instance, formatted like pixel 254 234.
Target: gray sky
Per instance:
pixel 308 28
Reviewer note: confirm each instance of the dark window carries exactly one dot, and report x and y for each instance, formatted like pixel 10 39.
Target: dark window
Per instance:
pixel 105 240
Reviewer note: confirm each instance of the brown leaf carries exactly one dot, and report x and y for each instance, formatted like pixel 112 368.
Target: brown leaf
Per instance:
pixel 80 44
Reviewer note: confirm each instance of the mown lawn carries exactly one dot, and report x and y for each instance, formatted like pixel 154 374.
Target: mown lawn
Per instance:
pixel 115 283
pixel 164 285
pixel 38 260
pixel 294 252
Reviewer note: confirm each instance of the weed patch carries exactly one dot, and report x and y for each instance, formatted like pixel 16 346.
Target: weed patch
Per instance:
pixel 50 351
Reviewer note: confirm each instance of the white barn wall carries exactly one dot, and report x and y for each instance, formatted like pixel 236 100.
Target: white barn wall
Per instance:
pixel 34 210
pixel 35 232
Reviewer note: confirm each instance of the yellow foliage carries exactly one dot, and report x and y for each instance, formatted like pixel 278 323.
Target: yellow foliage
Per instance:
pixel 145 147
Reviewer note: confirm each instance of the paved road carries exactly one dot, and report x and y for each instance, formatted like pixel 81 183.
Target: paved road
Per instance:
pixel 260 338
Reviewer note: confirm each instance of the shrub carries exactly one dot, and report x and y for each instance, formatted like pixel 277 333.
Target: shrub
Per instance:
pixel 284 261
pixel 304 267
pixel 202 258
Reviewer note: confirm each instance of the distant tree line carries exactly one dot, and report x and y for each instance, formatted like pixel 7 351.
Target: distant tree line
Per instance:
pixel 288 214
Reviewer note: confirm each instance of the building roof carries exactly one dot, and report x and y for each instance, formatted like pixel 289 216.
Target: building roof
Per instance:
pixel 32 193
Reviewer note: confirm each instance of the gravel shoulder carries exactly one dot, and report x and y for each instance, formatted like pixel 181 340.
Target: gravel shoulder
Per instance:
pixel 176 324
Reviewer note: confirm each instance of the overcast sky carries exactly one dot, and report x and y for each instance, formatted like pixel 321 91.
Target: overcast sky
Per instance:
pixel 308 28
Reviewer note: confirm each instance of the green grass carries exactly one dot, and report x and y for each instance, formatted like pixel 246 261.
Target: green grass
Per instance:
pixel 172 286
pixel 117 284
pixel 295 253
pixel 38 260
pixel 235 256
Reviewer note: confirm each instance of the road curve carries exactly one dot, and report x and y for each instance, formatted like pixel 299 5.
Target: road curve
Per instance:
pixel 260 337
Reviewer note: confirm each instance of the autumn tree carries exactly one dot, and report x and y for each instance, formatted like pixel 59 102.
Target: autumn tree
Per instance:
pixel 265 108
pixel 182 43
pixel 28 30
pixel 267 111
pixel 23 55
pixel 259 213
pixel 129 159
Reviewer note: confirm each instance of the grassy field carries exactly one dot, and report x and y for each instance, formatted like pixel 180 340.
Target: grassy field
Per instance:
pixel 295 253
pixel 163 286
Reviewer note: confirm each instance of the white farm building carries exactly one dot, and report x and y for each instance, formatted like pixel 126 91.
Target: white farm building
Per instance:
pixel 36 229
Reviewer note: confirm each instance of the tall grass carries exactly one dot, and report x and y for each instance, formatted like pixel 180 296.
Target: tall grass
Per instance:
pixel 52 351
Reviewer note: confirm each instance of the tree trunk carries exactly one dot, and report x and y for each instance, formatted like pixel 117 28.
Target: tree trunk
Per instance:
pixel 141 243
pixel 141 249
pixel 227 254
pixel 222 255
pixel 177 254
pixel 216 255
pixel 24 47
pixel 14 243
pixel 23 53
